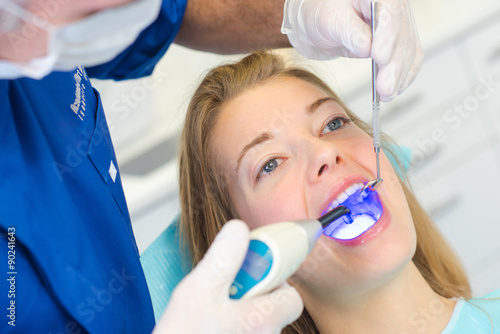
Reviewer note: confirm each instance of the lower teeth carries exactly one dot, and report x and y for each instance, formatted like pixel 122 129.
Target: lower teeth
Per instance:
pixel 351 231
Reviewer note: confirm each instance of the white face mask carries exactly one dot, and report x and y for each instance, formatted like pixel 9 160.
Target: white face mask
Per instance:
pixel 90 41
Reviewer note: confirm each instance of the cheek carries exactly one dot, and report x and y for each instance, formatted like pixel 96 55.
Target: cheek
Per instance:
pixel 394 196
pixel 271 203
pixel 359 148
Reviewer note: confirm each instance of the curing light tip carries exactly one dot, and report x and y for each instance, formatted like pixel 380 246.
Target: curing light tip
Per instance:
pixel 334 214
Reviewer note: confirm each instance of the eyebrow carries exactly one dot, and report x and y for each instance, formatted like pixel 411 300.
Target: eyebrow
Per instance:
pixel 265 136
pixel 310 109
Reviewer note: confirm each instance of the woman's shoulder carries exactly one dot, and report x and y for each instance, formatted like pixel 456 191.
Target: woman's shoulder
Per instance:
pixel 489 302
pixel 478 315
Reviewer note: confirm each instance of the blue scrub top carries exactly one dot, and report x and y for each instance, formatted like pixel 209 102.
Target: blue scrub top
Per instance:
pixel 75 265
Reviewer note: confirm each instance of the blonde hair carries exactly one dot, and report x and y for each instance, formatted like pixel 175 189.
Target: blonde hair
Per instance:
pixel 205 203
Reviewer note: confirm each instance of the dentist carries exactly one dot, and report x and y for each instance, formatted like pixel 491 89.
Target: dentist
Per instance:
pixel 73 265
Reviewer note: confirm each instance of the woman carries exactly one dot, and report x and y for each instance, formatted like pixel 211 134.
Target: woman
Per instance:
pixel 265 142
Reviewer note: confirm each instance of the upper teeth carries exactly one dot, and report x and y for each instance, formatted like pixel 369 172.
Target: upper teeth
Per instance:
pixel 345 194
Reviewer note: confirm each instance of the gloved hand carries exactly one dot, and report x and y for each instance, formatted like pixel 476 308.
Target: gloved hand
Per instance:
pixel 325 29
pixel 200 303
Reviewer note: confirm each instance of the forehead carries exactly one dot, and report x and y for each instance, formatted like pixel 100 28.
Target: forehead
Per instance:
pixel 276 93
pixel 271 106
pixel 266 105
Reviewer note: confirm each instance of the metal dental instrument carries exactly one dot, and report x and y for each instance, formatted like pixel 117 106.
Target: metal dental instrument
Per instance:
pixel 374 184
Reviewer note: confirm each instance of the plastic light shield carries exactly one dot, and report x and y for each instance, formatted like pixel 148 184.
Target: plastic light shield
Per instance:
pixel 366 210
pixel 284 245
pixel 256 266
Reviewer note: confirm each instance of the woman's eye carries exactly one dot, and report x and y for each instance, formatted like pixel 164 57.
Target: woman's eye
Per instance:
pixel 335 124
pixel 269 167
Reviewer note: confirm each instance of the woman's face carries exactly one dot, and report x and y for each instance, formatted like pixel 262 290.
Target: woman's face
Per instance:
pixel 288 151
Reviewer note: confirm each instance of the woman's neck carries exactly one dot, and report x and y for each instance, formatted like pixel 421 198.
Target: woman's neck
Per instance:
pixel 406 304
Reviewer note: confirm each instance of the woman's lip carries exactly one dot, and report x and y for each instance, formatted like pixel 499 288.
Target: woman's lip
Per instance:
pixel 339 188
pixel 377 228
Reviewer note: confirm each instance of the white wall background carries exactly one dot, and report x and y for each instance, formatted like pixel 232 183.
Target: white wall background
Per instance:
pixel 456 171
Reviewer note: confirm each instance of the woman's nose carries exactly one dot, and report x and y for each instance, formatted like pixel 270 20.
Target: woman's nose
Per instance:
pixel 324 157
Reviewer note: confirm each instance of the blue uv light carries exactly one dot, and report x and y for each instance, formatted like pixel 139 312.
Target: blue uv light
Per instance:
pixel 363 202
pixel 360 203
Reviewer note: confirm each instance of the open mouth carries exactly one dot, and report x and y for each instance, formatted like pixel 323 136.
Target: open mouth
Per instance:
pixel 366 210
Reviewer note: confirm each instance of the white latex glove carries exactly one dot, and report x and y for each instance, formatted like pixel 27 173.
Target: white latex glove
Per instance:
pixel 200 303
pixel 325 29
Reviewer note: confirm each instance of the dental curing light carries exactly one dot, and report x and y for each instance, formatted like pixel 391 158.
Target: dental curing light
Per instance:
pixel 276 251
